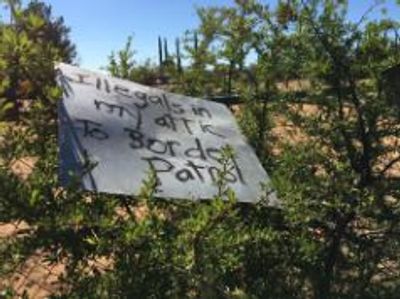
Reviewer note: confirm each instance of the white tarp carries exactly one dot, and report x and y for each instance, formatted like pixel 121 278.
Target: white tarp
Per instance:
pixel 124 128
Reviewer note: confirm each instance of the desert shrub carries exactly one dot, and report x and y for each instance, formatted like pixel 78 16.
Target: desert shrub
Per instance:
pixel 336 234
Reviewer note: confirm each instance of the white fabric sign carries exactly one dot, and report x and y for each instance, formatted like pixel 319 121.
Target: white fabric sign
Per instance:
pixel 125 128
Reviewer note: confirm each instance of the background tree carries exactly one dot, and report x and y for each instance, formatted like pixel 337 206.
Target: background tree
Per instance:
pixel 53 30
pixel 121 65
pixel 29 47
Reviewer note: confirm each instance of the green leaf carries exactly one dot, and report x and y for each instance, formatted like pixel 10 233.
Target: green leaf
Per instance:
pixel 35 21
pixel 7 106
pixel 35 197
